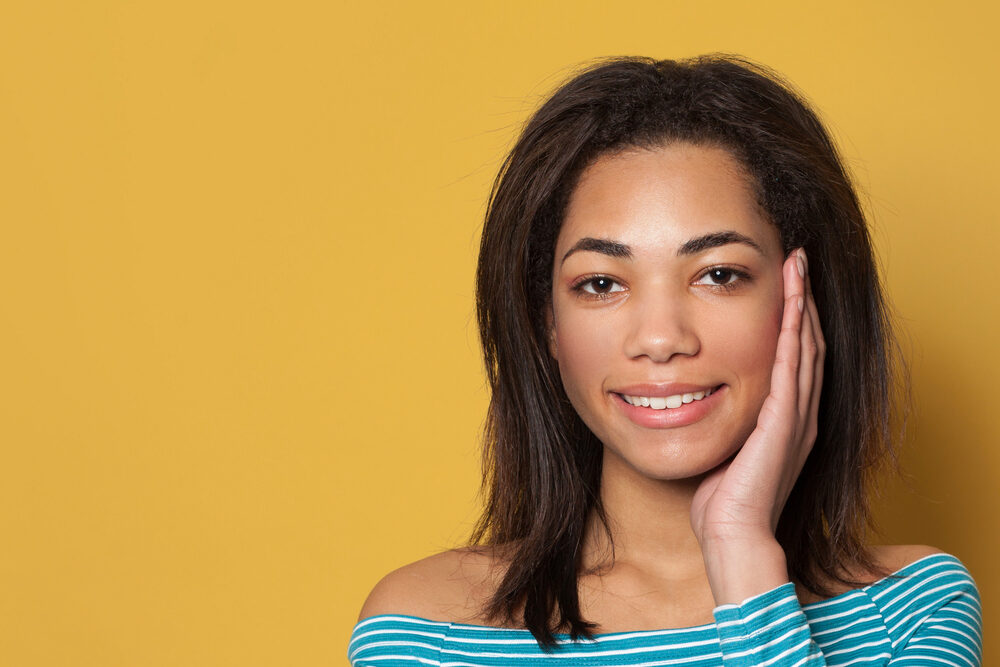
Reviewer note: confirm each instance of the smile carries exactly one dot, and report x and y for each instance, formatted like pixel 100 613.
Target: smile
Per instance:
pixel 691 404
pixel 665 402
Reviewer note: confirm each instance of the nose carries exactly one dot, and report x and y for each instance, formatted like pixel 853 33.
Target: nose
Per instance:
pixel 660 327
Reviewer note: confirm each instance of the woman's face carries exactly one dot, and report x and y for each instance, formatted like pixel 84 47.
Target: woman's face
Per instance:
pixel 666 287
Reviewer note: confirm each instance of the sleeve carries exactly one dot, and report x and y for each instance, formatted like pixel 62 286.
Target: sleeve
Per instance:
pixel 940 623
pixel 396 641
pixel 767 629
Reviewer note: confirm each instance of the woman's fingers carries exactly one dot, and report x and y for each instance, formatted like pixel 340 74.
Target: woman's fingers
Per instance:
pixel 811 371
pixel 818 364
pixel 779 419
pixel 821 342
pixel 787 357
pixel 807 368
pixel 764 471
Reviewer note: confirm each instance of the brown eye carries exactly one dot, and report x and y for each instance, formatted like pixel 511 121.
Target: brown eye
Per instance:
pixel 724 277
pixel 720 276
pixel 599 286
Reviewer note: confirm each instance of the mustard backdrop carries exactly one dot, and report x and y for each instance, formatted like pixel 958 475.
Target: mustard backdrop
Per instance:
pixel 240 378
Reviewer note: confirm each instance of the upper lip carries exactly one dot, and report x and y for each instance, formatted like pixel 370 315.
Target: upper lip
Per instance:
pixel 652 390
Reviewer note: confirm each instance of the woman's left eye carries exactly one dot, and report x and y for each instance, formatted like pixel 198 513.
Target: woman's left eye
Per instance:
pixel 599 286
pixel 721 276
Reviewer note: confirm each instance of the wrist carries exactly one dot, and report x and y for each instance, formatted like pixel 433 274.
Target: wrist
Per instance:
pixel 740 568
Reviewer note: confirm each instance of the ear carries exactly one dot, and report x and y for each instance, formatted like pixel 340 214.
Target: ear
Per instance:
pixel 550 331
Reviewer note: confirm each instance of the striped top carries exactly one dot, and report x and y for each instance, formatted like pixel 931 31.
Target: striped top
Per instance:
pixel 927 613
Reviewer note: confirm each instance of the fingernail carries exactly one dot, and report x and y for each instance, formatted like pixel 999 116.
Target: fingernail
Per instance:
pixel 800 304
pixel 799 263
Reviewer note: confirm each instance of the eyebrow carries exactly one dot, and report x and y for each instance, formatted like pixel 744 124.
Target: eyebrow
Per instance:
pixel 690 247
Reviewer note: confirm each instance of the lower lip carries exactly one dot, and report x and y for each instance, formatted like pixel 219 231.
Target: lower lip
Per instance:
pixel 688 413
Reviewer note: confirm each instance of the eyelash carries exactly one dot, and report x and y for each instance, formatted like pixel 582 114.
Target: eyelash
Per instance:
pixel 741 277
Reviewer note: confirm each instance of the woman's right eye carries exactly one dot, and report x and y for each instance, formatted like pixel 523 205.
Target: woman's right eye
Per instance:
pixel 599 286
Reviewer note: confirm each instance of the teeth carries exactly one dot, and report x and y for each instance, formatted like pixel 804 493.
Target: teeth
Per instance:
pixel 666 403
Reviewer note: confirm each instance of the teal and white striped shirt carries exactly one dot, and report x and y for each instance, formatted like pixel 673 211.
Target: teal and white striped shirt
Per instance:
pixel 927 613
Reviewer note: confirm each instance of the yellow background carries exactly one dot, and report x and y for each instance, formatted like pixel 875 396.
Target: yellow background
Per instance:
pixel 240 378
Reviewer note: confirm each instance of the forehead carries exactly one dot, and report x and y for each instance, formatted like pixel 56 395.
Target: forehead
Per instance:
pixel 659 198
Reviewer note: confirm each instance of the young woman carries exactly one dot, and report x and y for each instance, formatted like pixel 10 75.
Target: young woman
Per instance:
pixel 691 367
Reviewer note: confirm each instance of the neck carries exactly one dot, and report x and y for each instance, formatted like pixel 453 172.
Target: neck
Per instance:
pixel 649 521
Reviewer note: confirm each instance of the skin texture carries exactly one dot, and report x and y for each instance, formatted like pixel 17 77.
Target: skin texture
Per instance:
pixel 726 317
pixel 693 508
pixel 657 317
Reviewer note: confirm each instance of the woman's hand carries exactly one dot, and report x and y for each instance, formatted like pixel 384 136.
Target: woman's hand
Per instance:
pixel 736 507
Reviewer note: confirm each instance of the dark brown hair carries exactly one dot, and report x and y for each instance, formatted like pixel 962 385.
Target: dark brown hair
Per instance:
pixel 542 465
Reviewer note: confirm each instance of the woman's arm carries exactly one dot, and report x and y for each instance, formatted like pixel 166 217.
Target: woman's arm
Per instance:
pixel 932 616
pixel 736 509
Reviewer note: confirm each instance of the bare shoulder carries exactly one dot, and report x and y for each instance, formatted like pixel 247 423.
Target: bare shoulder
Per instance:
pixel 888 559
pixel 448 586
pixel 894 557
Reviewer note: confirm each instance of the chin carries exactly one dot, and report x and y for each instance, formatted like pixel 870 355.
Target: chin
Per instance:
pixel 673 463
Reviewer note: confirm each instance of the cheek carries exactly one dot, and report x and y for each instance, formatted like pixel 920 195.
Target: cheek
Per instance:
pixel 585 348
pixel 747 341
pixel 759 351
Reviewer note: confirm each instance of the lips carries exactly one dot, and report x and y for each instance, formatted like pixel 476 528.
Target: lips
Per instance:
pixel 667 405
pixel 671 402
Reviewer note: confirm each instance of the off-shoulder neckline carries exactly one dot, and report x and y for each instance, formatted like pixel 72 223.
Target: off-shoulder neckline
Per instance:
pixel 622 633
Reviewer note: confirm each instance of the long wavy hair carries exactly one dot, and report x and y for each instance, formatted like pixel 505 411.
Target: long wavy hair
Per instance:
pixel 542 465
